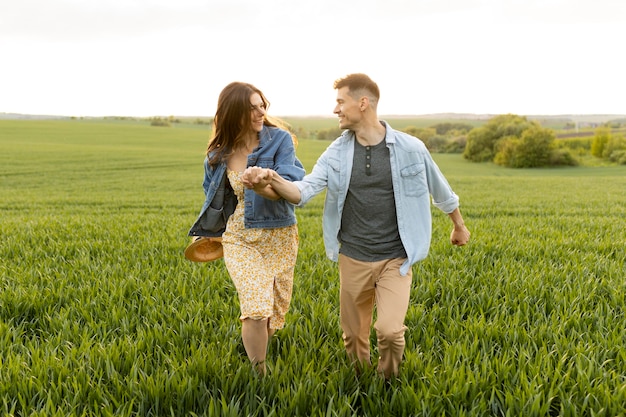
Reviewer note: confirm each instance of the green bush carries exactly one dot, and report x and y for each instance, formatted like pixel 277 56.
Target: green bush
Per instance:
pixel 615 143
pixel 618 156
pixel 448 128
pixel 576 144
pixel 600 139
pixel 562 157
pixel 481 141
pixel 157 121
pixel 329 134
pixel 505 151
pixel 455 145
pixel 437 143
pixel 425 134
pixel 532 150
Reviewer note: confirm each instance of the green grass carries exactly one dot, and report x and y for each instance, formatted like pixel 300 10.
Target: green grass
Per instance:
pixel 100 314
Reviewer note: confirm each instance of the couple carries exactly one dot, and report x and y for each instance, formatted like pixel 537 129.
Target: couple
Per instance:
pixel 376 221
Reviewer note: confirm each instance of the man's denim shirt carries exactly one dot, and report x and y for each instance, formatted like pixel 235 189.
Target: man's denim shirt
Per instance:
pixel 276 150
pixel 415 177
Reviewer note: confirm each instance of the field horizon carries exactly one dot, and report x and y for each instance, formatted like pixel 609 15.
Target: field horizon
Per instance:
pixel 584 118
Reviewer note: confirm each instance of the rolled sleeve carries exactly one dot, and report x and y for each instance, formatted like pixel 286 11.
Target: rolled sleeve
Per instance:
pixel 449 205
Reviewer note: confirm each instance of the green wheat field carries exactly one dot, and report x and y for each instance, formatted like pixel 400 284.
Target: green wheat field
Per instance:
pixel 101 315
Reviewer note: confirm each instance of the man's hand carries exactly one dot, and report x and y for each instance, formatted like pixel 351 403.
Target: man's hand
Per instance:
pixel 460 235
pixel 257 178
pixel 269 184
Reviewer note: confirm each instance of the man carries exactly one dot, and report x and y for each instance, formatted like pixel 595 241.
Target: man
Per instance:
pixel 376 220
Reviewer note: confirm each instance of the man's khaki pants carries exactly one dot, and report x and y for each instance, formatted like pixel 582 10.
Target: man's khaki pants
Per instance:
pixel 363 285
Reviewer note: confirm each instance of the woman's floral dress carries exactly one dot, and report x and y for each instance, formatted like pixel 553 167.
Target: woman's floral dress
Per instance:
pixel 260 262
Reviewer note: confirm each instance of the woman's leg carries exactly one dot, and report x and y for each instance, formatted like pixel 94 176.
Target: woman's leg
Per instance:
pixel 255 336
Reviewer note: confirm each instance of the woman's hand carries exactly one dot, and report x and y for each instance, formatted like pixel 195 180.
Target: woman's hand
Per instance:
pixel 257 178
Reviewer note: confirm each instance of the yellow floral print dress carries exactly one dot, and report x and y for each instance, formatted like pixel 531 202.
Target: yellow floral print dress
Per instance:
pixel 260 262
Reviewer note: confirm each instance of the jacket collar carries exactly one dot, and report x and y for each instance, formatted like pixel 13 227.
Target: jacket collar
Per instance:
pixel 264 136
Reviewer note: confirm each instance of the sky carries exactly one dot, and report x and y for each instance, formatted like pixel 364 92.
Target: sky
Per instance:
pixel 143 58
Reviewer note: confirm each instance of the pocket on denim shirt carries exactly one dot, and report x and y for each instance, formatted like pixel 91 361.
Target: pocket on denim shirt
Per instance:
pixel 212 220
pixel 413 179
pixel 334 170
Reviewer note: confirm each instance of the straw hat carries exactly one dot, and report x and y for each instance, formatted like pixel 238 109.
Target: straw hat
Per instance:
pixel 204 249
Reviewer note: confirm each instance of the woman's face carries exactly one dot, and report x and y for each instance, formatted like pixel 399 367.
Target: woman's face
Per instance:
pixel 257 112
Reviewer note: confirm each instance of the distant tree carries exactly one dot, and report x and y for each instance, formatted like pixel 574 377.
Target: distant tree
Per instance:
pixel 532 149
pixel 425 134
pixel 448 128
pixel 455 145
pixel 157 121
pixel 600 139
pixel 329 134
pixel 614 148
pixel 481 141
pixel 200 121
pixel 437 144
pixel 562 157
pixel 505 150
pixel 618 156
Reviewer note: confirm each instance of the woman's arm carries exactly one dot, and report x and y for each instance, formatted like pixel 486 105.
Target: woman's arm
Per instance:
pixel 266 182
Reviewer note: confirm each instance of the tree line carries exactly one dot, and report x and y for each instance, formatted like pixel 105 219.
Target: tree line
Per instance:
pixel 514 141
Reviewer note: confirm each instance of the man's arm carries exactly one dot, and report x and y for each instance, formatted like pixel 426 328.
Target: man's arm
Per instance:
pixel 268 183
pixel 460 235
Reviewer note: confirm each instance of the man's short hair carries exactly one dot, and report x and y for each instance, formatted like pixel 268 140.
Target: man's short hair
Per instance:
pixel 356 82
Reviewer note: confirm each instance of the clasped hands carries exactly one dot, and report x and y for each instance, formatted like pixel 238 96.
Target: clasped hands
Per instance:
pixel 257 178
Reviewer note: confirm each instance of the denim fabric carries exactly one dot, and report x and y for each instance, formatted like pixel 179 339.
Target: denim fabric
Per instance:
pixel 276 150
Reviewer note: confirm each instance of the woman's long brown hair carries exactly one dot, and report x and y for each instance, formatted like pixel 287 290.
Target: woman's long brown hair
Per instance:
pixel 232 120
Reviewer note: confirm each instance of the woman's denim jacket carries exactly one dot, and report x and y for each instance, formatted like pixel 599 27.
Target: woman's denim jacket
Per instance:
pixel 415 178
pixel 276 150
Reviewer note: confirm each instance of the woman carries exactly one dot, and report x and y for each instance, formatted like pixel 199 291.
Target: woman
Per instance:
pixel 259 235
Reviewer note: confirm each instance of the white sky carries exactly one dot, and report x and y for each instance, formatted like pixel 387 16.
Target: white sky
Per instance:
pixel 173 57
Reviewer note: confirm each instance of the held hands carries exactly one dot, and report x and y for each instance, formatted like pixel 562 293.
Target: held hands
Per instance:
pixel 460 235
pixel 269 184
pixel 257 178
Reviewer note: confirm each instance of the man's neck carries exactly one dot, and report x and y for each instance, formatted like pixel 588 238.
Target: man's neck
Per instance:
pixel 370 134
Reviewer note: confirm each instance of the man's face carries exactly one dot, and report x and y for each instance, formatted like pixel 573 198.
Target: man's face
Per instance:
pixel 347 109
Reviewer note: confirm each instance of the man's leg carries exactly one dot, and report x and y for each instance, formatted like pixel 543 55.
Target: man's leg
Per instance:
pixel 356 304
pixel 392 302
